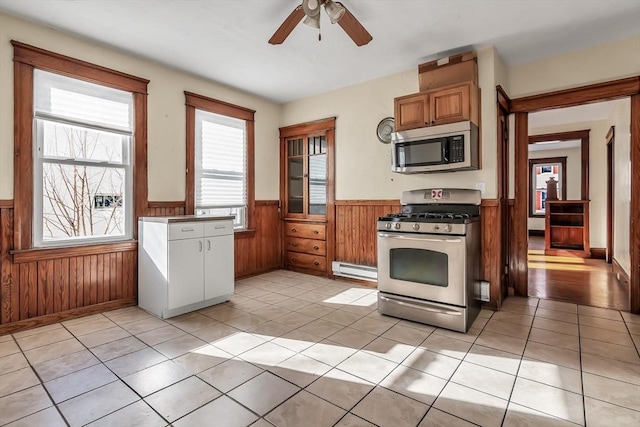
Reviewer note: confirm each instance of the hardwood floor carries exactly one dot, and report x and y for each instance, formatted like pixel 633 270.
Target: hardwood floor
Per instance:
pixel 573 279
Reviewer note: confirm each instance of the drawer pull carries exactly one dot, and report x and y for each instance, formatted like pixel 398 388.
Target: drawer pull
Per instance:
pixel 294 260
pixel 315 231
pixel 293 230
pixel 218 227
pixel 316 247
pixel 295 245
pixel 316 263
pixel 187 229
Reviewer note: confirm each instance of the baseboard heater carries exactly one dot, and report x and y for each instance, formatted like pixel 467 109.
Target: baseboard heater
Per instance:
pixel 354 271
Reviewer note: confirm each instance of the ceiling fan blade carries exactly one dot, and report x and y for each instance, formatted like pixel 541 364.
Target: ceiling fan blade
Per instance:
pixel 287 26
pixel 354 28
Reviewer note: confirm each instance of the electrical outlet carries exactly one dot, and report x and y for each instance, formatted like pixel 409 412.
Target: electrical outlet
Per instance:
pixel 482 186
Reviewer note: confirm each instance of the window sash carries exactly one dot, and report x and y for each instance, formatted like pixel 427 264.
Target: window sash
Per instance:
pixel 40 160
pixel 225 188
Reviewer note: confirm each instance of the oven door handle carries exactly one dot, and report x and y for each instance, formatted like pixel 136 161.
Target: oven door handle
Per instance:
pixel 421 239
pixel 424 307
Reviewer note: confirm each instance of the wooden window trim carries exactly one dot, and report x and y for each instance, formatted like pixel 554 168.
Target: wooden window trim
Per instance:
pixel 547 160
pixel 27 58
pixel 32 255
pixel 194 101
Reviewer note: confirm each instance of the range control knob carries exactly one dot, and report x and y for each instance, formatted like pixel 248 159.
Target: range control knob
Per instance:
pixel 387 226
pixel 436 227
pixel 416 226
pixel 396 225
pixel 447 228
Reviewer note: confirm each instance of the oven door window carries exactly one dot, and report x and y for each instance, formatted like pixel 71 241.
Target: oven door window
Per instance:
pixel 420 266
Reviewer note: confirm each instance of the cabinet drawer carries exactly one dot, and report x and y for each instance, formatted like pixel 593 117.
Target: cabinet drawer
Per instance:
pixel 218 228
pixel 316 247
pixel 312 262
pixel 186 230
pixel 307 231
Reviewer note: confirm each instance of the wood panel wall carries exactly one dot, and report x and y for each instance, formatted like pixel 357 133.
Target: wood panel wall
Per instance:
pixel 48 286
pixel 356 237
pixel 60 284
pixel 491 240
pixel 259 251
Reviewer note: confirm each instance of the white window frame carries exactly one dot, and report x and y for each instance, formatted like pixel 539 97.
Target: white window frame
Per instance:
pixel 239 211
pixel 39 160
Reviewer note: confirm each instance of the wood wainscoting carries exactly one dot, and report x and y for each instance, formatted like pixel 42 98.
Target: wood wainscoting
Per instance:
pixel 39 287
pixel 492 231
pixel 260 251
pixel 356 236
pixel 44 286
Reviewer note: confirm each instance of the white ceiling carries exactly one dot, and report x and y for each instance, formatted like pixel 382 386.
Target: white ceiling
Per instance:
pixel 226 40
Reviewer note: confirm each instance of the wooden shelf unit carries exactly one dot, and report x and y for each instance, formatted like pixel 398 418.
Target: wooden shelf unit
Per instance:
pixel 567 228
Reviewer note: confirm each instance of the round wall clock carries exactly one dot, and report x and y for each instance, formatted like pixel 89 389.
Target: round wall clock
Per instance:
pixel 384 130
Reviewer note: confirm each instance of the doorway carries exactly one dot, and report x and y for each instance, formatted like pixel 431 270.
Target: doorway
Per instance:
pixel 520 108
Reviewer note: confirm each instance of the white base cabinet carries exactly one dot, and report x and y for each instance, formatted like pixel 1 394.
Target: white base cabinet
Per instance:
pixel 184 263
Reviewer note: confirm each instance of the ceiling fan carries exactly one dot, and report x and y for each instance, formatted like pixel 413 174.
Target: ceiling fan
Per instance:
pixel 310 11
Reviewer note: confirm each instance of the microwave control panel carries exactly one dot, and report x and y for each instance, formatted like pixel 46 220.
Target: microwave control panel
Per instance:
pixel 456 147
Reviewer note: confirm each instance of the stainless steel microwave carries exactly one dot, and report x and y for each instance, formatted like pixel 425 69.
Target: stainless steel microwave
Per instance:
pixel 442 148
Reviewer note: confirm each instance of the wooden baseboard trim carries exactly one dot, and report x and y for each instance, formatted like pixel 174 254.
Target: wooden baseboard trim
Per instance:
pixel 599 253
pixel 621 275
pixel 539 233
pixel 49 319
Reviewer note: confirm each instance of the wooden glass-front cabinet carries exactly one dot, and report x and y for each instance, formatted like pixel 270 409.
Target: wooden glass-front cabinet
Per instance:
pixel 307 195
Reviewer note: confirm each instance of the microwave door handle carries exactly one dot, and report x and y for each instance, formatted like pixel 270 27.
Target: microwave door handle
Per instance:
pixel 421 239
pixel 445 151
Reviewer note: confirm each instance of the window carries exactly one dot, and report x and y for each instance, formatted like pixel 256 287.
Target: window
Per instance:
pixel 80 151
pixel 541 171
pixel 220 148
pixel 82 173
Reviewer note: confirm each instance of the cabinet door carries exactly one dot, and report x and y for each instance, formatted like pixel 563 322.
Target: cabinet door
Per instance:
pixel 449 105
pixel 411 111
pixel 186 272
pixel 218 266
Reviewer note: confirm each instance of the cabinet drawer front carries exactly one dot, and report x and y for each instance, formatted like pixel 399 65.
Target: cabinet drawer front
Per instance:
pixel 312 262
pixel 218 228
pixel 316 247
pixel 307 231
pixel 186 230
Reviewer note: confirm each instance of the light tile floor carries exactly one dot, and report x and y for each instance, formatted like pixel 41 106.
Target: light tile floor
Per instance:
pixel 296 350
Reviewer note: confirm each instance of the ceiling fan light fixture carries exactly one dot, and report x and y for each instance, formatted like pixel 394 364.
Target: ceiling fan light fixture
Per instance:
pixel 312 21
pixel 334 10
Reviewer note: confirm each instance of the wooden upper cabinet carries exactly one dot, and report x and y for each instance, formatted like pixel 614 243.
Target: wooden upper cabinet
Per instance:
pixel 412 111
pixel 451 104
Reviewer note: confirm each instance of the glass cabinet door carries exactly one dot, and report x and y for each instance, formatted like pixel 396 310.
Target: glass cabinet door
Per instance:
pixel 295 168
pixel 307 175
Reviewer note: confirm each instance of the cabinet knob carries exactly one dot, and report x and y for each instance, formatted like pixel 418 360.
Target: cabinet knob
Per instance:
pixel 294 260
pixel 316 263
pixel 293 230
pixel 315 231
pixel 316 247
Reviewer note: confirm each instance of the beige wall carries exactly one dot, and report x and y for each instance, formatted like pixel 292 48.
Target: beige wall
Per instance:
pixel 592 65
pixel 166 109
pixel 621 120
pixel 363 164
pixel 573 177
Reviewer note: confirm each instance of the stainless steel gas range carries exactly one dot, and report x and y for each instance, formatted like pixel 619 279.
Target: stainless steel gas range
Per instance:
pixel 429 258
